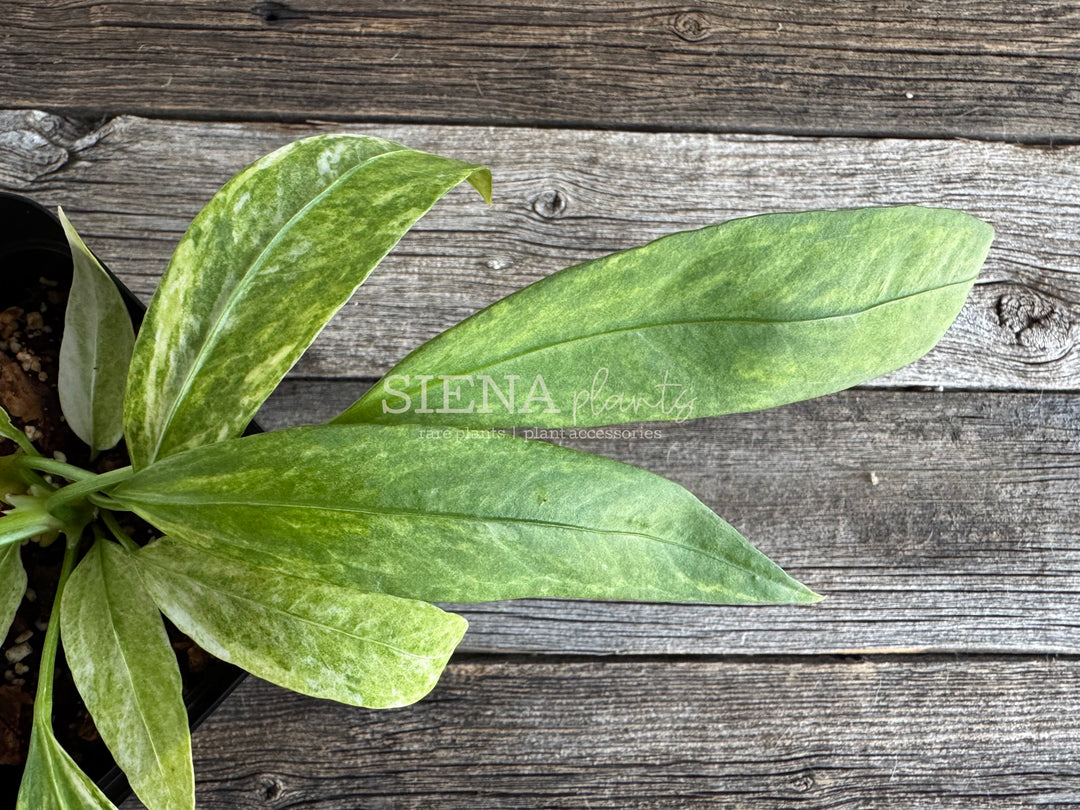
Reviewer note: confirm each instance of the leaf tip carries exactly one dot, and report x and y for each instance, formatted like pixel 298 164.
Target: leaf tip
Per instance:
pixel 65 223
pixel 461 627
pixel 481 181
pixel 800 594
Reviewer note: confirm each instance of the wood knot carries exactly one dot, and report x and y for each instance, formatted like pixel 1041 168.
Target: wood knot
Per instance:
pixel 803 782
pixel 270 788
pixel 272 11
pixel 1035 322
pixel 37 144
pixel 550 204
pixel 693 26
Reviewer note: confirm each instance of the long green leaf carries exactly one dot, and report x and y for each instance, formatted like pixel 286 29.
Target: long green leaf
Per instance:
pixel 12 585
pixel 258 274
pixel 387 509
pixel 96 349
pixel 126 671
pixel 735 317
pixel 364 649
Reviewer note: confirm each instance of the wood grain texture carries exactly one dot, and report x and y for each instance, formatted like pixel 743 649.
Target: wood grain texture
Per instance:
pixel 935 522
pixel 969 68
pixel 908 733
pixel 930 522
pixel 131 185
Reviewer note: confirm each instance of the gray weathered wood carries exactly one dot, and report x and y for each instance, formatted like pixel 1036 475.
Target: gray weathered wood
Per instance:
pixel 908 733
pixel 969 68
pixel 131 186
pixel 930 521
pixel 935 522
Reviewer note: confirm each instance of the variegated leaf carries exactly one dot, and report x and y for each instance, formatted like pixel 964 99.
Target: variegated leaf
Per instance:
pixel 95 351
pixel 364 649
pixel 125 669
pixel 391 509
pixel 12 584
pixel 258 274
pixel 740 316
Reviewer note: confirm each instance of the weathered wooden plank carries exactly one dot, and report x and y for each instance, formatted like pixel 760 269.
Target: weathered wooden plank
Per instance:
pixel 969 68
pixel 930 521
pixel 895 733
pixel 131 185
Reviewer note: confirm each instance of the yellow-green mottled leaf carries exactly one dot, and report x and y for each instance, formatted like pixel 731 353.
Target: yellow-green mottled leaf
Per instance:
pixel 740 316
pixel 52 780
pixel 125 669
pixel 12 584
pixel 258 274
pixel 391 509
pixel 96 349
pixel 364 649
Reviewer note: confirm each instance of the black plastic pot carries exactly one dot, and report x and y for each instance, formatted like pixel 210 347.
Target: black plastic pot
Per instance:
pixel 32 246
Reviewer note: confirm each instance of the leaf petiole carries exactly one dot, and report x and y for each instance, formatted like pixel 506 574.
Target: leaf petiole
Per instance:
pixel 43 701
pixel 54 467
pixel 103 501
pixel 118 532
pixel 32 479
pixel 59 502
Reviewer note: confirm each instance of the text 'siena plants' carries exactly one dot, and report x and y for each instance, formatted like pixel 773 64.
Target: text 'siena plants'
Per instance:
pixel 310 557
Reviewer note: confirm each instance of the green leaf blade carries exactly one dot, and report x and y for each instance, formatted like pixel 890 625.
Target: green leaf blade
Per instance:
pixel 364 649
pixel 51 779
pixel 258 274
pixel 740 316
pixel 126 671
pixel 387 509
pixel 12 585
pixel 95 351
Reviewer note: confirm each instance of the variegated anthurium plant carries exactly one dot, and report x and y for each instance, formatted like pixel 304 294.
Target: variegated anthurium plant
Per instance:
pixel 310 556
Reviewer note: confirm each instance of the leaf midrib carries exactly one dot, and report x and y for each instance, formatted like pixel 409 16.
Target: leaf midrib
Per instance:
pixel 417 515
pixel 127 669
pixel 94 349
